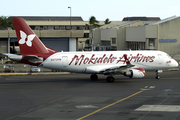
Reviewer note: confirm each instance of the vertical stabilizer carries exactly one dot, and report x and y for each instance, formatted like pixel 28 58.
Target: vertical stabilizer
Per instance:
pixel 29 43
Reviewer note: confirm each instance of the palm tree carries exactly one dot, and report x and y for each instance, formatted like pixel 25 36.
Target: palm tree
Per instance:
pixel 93 23
pixel 107 21
pixel 6 22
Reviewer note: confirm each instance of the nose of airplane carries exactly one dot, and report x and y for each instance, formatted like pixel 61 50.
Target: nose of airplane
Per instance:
pixel 175 63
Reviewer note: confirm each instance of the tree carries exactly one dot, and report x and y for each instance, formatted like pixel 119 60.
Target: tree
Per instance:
pixel 6 22
pixel 93 23
pixel 107 21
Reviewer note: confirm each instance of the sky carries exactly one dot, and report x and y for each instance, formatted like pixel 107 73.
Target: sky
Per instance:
pixel 115 10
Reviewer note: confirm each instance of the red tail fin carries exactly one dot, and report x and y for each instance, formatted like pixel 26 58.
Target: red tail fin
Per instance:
pixel 29 43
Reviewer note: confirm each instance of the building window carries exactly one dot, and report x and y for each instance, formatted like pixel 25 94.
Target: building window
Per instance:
pixel 32 27
pixel 45 27
pixel 151 42
pixel 86 35
pixel 81 27
pixel 78 27
pixel 87 28
pixel 67 28
pixel 62 28
pixel 136 45
pixel 56 28
pixel 113 41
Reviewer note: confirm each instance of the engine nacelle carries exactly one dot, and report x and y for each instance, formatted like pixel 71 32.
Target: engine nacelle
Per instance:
pixel 135 73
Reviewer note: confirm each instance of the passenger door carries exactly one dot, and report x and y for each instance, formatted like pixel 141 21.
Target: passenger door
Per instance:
pixel 64 61
pixel 160 59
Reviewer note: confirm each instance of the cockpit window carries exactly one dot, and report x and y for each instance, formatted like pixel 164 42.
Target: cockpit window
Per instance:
pixel 168 56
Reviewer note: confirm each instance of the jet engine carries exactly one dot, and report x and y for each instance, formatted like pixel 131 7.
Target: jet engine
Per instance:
pixel 135 73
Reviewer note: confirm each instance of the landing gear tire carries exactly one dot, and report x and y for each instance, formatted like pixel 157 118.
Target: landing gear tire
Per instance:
pixel 94 77
pixel 110 79
pixel 157 75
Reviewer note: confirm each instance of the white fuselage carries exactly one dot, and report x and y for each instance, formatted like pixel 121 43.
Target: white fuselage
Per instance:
pixel 93 62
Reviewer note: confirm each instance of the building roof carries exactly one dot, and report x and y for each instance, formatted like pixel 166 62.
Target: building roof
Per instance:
pixel 164 20
pixel 46 18
pixel 128 23
pixel 141 18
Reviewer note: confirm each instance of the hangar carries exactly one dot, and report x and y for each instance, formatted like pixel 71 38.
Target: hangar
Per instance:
pixel 161 35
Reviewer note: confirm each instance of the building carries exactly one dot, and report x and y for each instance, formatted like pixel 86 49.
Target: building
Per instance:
pixel 70 34
pixel 59 33
pixel 141 18
pixel 161 35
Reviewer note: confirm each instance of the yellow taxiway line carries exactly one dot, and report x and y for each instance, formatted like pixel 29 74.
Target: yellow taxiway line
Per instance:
pixel 142 89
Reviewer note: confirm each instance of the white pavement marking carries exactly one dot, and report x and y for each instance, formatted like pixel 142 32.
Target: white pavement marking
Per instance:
pixel 160 108
pixel 86 106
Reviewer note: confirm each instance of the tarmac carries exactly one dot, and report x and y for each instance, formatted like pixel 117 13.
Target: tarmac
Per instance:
pixel 24 69
pixel 76 97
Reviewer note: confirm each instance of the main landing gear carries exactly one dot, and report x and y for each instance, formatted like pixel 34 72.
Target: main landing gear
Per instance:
pixel 110 79
pixel 94 77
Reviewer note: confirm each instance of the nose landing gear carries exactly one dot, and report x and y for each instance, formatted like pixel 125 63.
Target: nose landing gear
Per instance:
pixel 157 74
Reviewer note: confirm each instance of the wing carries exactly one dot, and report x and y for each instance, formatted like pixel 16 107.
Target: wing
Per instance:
pixel 126 70
pixel 110 69
pixel 116 70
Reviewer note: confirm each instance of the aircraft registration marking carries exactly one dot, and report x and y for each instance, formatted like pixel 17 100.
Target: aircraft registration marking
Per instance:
pixel 56 59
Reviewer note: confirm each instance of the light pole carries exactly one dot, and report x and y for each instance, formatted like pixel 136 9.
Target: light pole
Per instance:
pixel 70 18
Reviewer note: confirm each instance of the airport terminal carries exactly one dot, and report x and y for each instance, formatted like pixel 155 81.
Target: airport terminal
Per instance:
pixel 71 33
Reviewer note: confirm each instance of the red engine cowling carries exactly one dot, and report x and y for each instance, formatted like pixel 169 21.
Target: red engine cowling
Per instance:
pixel 135 73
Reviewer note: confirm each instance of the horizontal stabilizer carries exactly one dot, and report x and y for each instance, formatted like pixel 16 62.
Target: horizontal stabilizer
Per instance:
pixel 33 58
pixel 8 54
pixel 13 57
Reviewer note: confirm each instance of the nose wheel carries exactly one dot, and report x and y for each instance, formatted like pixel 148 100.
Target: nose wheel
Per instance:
pixel 157 74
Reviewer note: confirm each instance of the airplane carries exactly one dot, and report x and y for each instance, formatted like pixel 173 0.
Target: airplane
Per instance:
pixel 128 63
